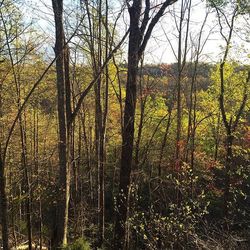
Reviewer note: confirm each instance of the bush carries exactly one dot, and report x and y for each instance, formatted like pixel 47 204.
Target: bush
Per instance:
pixel 79 244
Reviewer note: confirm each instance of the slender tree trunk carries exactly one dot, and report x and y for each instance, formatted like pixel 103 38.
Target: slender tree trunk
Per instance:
pixel 119 93
pixel 217 137
pixel 99 133
pixel 4 206
pixel 101 105
pixel 164 141
pixel 61 224
pixel 182 54
pixel 87 138
pixel 13 214
pixel 179 79
pixel 26 182
pixel 229 124
pixel 103 135
pixel 141 122
pixel 193 99
pixel 229 158
pixel 3 194
pixel 38 172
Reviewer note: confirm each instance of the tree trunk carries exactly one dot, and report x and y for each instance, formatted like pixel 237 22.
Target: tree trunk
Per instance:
pixel 163 145
pixel 141 122
pixel 217 137
pixel 3 194
pixel 128 131
pixel 26 183
pixel 4 206
pixel 60 229
pixel 140 31
pixel 181 57
pixel 229 157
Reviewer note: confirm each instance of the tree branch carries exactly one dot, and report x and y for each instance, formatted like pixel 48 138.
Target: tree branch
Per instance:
pixel 152 24
pixel 86 91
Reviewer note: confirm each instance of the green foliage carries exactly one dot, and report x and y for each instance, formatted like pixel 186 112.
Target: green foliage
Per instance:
pixel 243 5
pixel 79 244
pixel 168 228
pixel 234 84
pixel 218 3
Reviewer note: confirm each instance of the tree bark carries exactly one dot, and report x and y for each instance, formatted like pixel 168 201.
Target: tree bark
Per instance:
pixel 229 158
pixel 182 54
pixel 164 141
pixel 61 224
pixel 4 206
pixel 3 194
pixel 128 127
pixel 140 32
pixel 26 180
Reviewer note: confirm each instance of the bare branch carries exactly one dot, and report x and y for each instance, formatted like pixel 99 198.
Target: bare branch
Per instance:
pixel 86 91
pixel 152 24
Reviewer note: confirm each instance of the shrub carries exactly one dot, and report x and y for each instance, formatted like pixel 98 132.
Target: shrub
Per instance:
pixel 79 244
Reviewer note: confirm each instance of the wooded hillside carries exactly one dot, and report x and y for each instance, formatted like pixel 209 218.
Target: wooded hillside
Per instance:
pixel 101 148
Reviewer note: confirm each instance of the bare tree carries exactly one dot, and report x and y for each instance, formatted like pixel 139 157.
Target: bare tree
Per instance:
pixel 61 223
pixel 140 32
pixel 230 124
